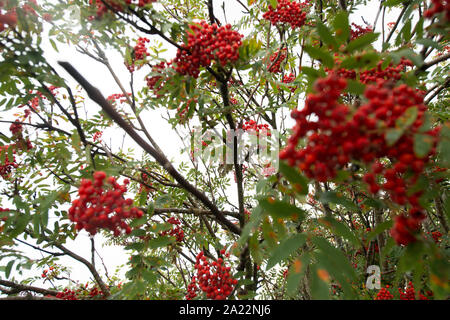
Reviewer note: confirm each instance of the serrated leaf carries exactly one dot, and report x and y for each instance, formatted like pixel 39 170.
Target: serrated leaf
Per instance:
pixel 333 197
pixel 423 143
pixel 393 135
pixel 8 268
pixel 285 249
pixel 362 42
pixel 341 27
pixel 340 229
pixel 298 181
pixel 326 36
pixel 281 209
pixel 320 54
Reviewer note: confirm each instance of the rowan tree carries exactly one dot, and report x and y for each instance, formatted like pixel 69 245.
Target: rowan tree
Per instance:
pixel 356 105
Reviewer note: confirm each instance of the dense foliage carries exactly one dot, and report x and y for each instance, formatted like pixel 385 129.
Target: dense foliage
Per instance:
pixel 357 109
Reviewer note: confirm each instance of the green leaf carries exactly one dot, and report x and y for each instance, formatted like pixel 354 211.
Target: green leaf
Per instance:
pixel 423 143
pixel 285 249
pixel 149 276
pixel 340 229
pixel 53 45
pixel 341 27
pixel 355 87
pixel 334 197
pixel 298 181
pixel 326 36
pixel 336 256
pixel 407 118
pixel 379 229
pixel 324 56
pixel 391 3
pixel 281 209
pixel 296 273
pixel 160 242
pixel 393 135
pixel 362 42
pixel 8 268
pixel 273 3
pixel 320 289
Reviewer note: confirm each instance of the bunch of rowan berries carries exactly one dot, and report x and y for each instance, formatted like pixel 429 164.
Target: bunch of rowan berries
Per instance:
pixel 118 97
pixel 67 294
pixel 357 31
pixel 156 82
pixel 287 11
pixel 337 137
pixel 436 235
pixel 10 161
pixel 16 128
pixel 139 54
pixel 97 136
pixel 207 44
pixel 176 231
pixel 384 294
pixel 390 72
pixel 409 293
pixel 9 18
pixel 276 59
pixel 289 78
pixel 102 205
pixel 438 6
pixel 213 279
pixel 407 226
pixel 252 126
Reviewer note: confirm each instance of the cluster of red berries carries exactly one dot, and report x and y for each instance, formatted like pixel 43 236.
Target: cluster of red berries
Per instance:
pixel 207 44
pixel 213 279
pixel 16 128
pixel 337 137
pixel 289 79
pixel 357 31
pixel 9 163
pixel 139 54
pixel 67 294
pixel 176 232
pixel 7 19
pixel 384 294
pixel 34 102
pixel 156 82
pixel 103 206
pixel 406 227
pixel 391 72
pixel 276 59
pixel 80 293
pixel 287 11
pixel 410 293
pixel 118 97
pixel 97 136
pixel 436 235
pixel 438 6
pixel 182 111
pixel 257 128
pixel 48 272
